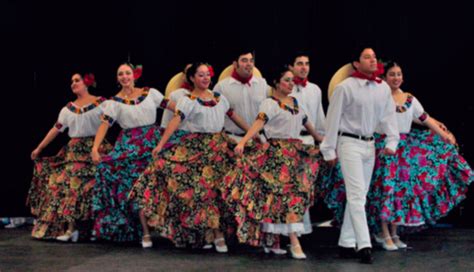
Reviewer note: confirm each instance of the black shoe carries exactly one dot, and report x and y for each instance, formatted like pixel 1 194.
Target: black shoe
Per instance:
pixel 365 255
pixel 347 252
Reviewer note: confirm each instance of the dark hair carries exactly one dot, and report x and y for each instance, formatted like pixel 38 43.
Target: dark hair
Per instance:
pixel 358 49
pixel 127 64
pixel 83 74
pixel 243 50
pixel 192 71
pixel 277 74
pixel 389 65
pixel 300 53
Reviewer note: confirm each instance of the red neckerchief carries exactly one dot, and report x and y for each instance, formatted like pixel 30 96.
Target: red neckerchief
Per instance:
pixel 300 81
pixel 242 80
pixel 187 86
pixel 373 77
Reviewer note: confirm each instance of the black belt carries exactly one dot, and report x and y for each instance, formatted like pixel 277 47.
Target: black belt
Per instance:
pixel 360 137
pixel 305 133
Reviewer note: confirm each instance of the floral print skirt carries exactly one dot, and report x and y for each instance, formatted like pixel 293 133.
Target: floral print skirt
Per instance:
pixel 180 191
pixel 425 180
pixel 421 183
pixel 271 187
pixel 115 217
pixel 62 187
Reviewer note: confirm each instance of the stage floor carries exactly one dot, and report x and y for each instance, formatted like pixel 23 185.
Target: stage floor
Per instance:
pixel 439 249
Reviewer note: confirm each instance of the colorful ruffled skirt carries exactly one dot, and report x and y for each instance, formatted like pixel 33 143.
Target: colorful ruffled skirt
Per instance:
pixel 115 216
pixel 330 185
pixel 180 191
pixel 62 188
pixel 423 182
pixel 270 188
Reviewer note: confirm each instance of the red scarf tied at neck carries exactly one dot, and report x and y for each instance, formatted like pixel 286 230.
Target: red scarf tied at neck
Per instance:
pixel 373 77
pixel 242 80
pixel 187 86
pixel 300 81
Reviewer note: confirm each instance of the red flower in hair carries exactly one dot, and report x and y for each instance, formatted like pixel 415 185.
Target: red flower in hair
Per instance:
pixel 380 69
pixel 89 80
pixel 137 71
pixel 211 70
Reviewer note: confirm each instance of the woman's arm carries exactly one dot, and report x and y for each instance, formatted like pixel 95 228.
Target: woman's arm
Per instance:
pixel 254 129
pixel 239 121
pixel 170 129
pixel 171 105
pixel 52 134
pixel 310 128
pixel 435 126
pixel 441 125
pixel 99 137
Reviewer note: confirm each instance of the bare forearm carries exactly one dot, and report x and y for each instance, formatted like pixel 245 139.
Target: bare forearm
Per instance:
pixel 170 129
pixel 253 130
pixel 240 122
pixel 171 105
pixel 440 124
pixel 434 126
pixel 52 134
pixel 100 135
pixel 310 128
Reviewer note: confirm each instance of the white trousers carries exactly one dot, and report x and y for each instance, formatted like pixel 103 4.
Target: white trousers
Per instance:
pixel 357 159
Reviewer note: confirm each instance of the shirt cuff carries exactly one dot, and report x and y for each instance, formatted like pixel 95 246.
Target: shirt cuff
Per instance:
pixel 392 145
pixel 329 155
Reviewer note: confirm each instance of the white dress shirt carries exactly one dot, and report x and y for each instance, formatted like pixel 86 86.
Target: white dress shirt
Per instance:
pixel 310 99
pixel 358 106
pixel 243 99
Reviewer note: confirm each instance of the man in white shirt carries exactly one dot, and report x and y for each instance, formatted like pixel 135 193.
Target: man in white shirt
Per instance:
pixel 358 105
pixel 308 95
pixel 244 92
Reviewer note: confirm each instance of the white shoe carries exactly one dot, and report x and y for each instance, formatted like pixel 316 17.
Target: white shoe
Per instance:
pixel 15 222
pixel 147 244
pixel 10 226
pixel 383 243
pixel 398 242
pixel 276 251
pixel 73 236
pixel 378 239
pixel 220 249
pixel 207 246
pixel 298 256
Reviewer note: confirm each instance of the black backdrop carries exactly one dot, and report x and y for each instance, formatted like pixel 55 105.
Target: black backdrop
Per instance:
pixel 44 43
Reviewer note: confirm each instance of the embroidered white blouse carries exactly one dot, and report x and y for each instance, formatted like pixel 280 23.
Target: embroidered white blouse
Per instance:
pixel 81 121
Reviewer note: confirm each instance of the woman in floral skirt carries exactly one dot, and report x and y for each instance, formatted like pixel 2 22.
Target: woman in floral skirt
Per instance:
pixel 61 190
pixel 270 189
pixel 426 178
pixel 180 191
pixel 134 109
